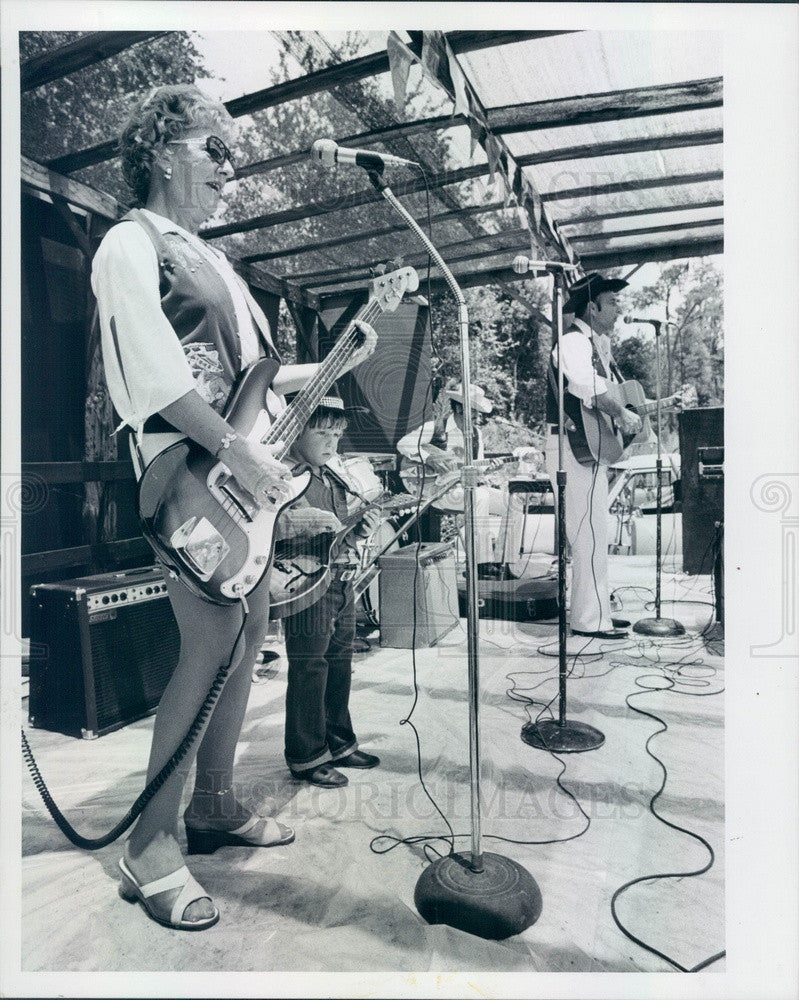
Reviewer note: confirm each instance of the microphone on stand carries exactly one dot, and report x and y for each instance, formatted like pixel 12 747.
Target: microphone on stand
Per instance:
pixel 540 268
pixel 329 153
pixel 634 319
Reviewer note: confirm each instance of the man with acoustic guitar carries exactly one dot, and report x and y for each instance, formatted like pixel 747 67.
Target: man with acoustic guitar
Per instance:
pixel 589 399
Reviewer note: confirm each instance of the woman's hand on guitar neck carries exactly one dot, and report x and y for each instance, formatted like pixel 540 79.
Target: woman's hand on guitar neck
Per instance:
pixel 366 349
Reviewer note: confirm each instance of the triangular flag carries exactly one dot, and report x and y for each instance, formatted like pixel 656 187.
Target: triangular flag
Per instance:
pixel 400 59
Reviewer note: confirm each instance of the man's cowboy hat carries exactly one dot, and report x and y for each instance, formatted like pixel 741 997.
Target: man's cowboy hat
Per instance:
pixel 476 396
pixel 588 288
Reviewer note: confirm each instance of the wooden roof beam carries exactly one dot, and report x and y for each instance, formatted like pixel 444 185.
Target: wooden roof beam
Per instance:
pixel 86 51
pixel 323 79
pixel 590 262
pixel 363 197
pixel 621 147
pixel 647 254
pixel 340 241
pixel 516 241
pixel 368 195
pixel 644 231
pixel 613 105
pixel 629 213
pixel 644 184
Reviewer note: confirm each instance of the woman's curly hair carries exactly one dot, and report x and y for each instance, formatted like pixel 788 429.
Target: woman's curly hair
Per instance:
pixel 166 113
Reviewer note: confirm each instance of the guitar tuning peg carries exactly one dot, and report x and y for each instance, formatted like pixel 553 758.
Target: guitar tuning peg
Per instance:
pixel 395 264
pixel 378 269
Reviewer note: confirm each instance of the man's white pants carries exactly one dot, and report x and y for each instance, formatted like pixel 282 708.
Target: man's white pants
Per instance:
pixel 587 532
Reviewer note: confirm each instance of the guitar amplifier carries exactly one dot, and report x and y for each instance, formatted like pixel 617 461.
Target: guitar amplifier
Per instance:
pixel 702 473
pixel 436 588
pixel 108 646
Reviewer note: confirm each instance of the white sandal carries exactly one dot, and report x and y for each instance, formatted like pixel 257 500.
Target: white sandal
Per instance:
pixel 257 831
pixel 191 892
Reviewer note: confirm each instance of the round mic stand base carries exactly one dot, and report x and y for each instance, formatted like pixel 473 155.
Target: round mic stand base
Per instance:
pixel 659 627
pixel 566 737
pixel 496 902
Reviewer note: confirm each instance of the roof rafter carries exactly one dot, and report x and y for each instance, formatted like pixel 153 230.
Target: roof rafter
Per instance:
pixel 612 105
pixel 368 195
pixel 66 59
pixel 666 251
pixel 644 144
pixel 512 239
pixel 629 213
pixel 301 248
pixel 645 231
pixel 312 83
pixel 642 184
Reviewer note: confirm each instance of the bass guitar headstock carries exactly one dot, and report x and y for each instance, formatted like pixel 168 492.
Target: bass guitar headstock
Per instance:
pixel 388 289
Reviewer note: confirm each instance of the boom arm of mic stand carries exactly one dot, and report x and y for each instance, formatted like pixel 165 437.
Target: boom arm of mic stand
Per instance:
pixel 469 483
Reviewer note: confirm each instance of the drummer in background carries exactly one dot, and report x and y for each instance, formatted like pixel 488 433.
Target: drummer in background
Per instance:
pixel 438 446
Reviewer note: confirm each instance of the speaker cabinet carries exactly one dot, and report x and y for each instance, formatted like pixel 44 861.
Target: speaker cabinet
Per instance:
pixel 107 648
pixel 390 392
pixel 435 585
pixel 702 493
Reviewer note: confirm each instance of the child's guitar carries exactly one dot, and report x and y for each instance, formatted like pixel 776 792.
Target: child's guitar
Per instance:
pixel 206 527
pixel 299 579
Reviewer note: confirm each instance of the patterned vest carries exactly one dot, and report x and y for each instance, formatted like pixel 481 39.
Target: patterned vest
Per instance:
pixel 198 305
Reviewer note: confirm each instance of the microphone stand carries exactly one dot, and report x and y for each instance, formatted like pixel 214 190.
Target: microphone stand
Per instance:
pixel 657 626
pixel 561 735
pixel 484 894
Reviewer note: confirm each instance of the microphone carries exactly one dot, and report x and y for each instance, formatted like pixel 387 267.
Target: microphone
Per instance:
pixel 634 319
pixel 523 265
pixel 329 152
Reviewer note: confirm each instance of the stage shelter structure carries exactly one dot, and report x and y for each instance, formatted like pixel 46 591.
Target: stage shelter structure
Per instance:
pixel 626 171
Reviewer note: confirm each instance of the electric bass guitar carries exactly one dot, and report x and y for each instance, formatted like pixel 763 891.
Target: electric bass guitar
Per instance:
pixel 299 579
pixel 603 442
pixel 209 530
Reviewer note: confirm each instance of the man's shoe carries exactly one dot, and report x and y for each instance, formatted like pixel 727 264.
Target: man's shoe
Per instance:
pixel 323 775
pixel 358 759
pixel 620 623
pixel 611 633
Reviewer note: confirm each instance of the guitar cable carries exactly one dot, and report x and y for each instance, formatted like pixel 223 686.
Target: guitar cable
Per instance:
pixel 153 786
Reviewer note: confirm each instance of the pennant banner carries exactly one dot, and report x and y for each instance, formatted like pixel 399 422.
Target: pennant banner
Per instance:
pixel 400 59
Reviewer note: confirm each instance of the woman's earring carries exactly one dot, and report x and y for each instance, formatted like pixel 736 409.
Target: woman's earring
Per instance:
pixel 167 173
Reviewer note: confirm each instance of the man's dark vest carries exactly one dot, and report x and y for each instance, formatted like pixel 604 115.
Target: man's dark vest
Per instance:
pixel 198 305
pixel 572 406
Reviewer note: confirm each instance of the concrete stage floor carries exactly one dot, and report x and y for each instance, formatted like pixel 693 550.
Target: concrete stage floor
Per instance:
pixel 328 903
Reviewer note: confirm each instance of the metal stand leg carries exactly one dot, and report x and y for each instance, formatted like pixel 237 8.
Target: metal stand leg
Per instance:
pixel 561 735
pixel 484 894
pixel 657 626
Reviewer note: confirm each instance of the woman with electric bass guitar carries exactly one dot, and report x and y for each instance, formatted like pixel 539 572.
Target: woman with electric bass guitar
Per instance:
pixel 193 372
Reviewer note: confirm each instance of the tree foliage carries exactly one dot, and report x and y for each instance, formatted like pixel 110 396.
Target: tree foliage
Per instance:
pixel 691 296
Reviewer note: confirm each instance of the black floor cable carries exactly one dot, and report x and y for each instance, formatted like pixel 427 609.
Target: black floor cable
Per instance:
pixel 95 843
pixel 674 826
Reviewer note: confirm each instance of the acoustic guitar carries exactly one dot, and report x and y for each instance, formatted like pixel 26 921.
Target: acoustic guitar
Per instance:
pixel 209 530
pixel 603 442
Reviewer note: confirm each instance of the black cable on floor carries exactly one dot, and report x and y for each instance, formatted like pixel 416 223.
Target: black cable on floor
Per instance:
pixel 674 826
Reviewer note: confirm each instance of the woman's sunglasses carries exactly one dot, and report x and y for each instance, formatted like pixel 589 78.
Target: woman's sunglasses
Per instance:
pixel 213 145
